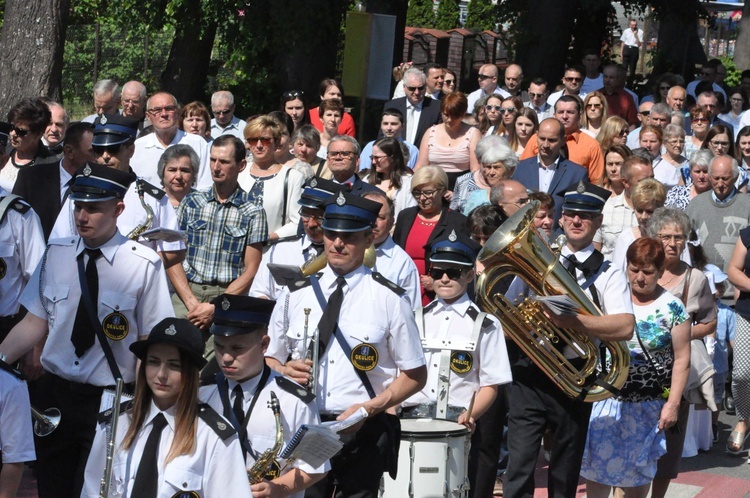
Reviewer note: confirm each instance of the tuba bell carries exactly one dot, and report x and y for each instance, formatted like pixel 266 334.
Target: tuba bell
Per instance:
pixel 517 249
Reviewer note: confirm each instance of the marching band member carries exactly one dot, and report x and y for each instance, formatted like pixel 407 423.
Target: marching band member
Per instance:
pixel 243 393
pixel 464 347
pixel 537 402
pixel 373 362
pixel 126 295
pixel 169 445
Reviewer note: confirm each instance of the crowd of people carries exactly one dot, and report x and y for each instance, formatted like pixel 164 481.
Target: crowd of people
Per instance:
pixel 213 267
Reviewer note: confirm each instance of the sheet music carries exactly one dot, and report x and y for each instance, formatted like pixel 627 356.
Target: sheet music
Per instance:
pixel 559 305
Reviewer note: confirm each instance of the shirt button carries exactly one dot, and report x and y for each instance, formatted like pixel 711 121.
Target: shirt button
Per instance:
pixel 184 485
pixel 329 395
pixel 434 365
pixel 331 361
pixel 432 390
pixel 76 363
pixel 447 318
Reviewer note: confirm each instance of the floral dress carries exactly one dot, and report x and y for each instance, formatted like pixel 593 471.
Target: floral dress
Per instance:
pixel 624 441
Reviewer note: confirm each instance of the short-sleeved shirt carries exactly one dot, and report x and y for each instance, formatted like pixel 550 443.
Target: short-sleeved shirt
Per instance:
pixel 16 436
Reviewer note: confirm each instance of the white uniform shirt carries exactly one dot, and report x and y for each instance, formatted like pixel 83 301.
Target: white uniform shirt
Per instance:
pixel 214 469
pixel 295 252
pixel 21 248
pixel 262 424
pixel 133 216
pixel 370 314
pixel 394 264
pixel 489 361
pixel 131 282
pixel 149 149
pixel 65 177
pixel 16 436
pixel 236 128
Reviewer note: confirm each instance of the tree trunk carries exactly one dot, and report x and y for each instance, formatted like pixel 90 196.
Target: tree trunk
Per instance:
pixel 186 72
pixel 545 30
pixel 742 47
pixel 592 29
pixel 31 50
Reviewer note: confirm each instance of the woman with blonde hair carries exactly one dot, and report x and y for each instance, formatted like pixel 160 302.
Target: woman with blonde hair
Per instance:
pixel 614 132
pixel 595 113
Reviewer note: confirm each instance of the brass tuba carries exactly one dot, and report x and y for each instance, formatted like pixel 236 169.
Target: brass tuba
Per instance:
pixel 320 262
pixel 517 249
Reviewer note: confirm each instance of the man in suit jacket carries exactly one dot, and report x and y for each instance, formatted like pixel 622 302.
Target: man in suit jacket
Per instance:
pixel 45 184
pixel 549 172
pixel 343 161
pixel 415 105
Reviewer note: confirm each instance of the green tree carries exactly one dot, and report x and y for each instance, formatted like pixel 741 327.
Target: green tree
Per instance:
pixel 481 15
pixel 448 15
pixel 420 14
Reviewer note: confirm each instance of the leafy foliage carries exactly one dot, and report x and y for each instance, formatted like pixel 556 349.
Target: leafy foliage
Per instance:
pixel 733 72
pixel 448 15
pixel 481 15
pixel 420 14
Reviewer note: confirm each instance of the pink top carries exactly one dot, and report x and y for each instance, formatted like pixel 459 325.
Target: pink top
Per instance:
pixel 451 159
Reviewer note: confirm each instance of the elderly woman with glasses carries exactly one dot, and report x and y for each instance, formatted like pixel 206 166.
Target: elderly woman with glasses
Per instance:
pixel 669 169
pixel 700 117
pixel 271 185
pixel 497 162
pixel 696 180
pixel 419 226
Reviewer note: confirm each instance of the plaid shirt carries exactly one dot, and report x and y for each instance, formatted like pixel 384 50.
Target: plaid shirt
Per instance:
pixel 217 234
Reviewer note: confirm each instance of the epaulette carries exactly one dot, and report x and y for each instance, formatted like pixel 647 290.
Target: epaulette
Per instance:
pixel 301 284
pixel 14 372
pixel 140 250
pixel 221 427
pixel 63 241
pixel 473 313
pixel 379 278
pixel 106 415
pixel 430 306
pixel 16 204
pixel 284 239
pixel 151 190
pixel 295 389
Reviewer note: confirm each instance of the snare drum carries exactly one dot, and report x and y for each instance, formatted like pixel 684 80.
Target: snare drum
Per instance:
pixel 433 461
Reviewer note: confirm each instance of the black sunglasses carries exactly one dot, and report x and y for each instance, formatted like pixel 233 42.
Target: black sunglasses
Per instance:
pixel 453 273
pixel 111 149
pixel 20 132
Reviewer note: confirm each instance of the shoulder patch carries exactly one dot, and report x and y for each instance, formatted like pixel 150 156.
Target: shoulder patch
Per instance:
pixel 221 427
pixel 140 250
pixel 473 312
pixel 301 284
pixel 295 389
pixel 106 415
pixel 379 278
pixel 17 204
pixel 8 368
pixel 149 189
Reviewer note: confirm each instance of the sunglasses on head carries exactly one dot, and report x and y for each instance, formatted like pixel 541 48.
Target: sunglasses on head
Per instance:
pixel 453 273
pixel 294 94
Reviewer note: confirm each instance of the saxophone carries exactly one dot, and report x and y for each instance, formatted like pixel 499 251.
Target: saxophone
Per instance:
pixel 264 462
pixel 137 231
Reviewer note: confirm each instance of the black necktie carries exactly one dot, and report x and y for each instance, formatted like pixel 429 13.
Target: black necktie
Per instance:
pixel 237 407
pixel 571 263
pixel 147 476
pixel 83 335
pixel 330 318
pixel 67 186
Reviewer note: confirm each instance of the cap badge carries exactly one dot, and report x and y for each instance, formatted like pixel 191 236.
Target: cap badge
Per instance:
pixel 225 304
pixel 171 330
pixel 581 187
pixel 453 237
pixel 103 119
pixel 341 200
pixel 87 170
pixel 313 183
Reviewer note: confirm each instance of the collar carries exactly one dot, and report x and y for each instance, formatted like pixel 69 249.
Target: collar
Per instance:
pixel 460 306
pixel 109 248
pixel 552 166
pixel 575 136
pixel 385 250
pixel 230 200
pixel 306 242
pixel 352 179
pixel 353 278
pixel 581 255
pixel 728 199
pixel 619 200
pixel 233 124
pixel 248 387
pixel 154 410
pixel 152 141
pixel 417 107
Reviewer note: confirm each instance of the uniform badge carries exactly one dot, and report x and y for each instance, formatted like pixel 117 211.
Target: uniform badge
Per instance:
pixel 341 200
pixel 222 426
pixel 453 237
pixel 3 268
pixel 461 361
pixel 171 330
pixel 581 187
pixel 115 326
pixel 87 170
pixel 225 303
pixel 103 119
pixel 364 357
pixel 186 494
pixel 274 471
pixel 314 183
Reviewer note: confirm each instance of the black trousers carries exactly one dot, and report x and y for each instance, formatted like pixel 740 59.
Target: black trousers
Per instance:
pixel 630 59
pixel 537 404
pixel 486 443
pixel 357 469
pixel 62 456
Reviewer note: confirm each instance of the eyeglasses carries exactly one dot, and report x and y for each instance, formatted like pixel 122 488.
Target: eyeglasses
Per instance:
pixel 536 95
pixel 676 141
pixel 449 82
pixel 265 141
pixel 593 106
pixel 415 88
pixel 583 216
pixel 453 273
pixel 482 77
pixel 734 99
pixel 665 238
pixel 376 159
pixel 307 216
pixel 624 133
pixel 508 110
pixel 347 154
pixel 644 113
pixel 112 150
pixel 520 202
pixel 700 120
pixel 20 132
pixel 496 108
pixel 294 94
pixel 570 79
pixel 719 143
pixel 427 193
pixel 169 109
pixel 221 113
pixel 495 166
pixel 131 101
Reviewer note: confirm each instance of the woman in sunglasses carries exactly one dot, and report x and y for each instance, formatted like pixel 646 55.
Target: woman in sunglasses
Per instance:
pixel 493 114
pixel 614 132
pixel 595 114
pixel 700 117
pixel 28 120
pixel 509 110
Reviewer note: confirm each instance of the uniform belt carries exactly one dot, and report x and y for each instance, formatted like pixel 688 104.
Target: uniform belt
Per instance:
pixel 86 389
pixel 631 46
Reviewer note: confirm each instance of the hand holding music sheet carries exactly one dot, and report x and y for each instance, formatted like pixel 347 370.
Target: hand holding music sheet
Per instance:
pixel 559 305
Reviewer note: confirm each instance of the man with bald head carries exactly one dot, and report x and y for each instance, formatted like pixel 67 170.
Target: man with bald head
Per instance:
pixel 514 82
pixel 487 85
pixel 644 118
pixel 163 111
pixel 676 98
pixel 133 100
pixel 510 195
pixel 550 172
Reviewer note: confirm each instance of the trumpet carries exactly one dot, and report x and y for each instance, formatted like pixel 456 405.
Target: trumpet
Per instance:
pixel 107 476
pixel 45 422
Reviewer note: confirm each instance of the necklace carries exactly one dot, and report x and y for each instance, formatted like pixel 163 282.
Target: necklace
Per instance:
pixel 674 275
pixel 14 163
